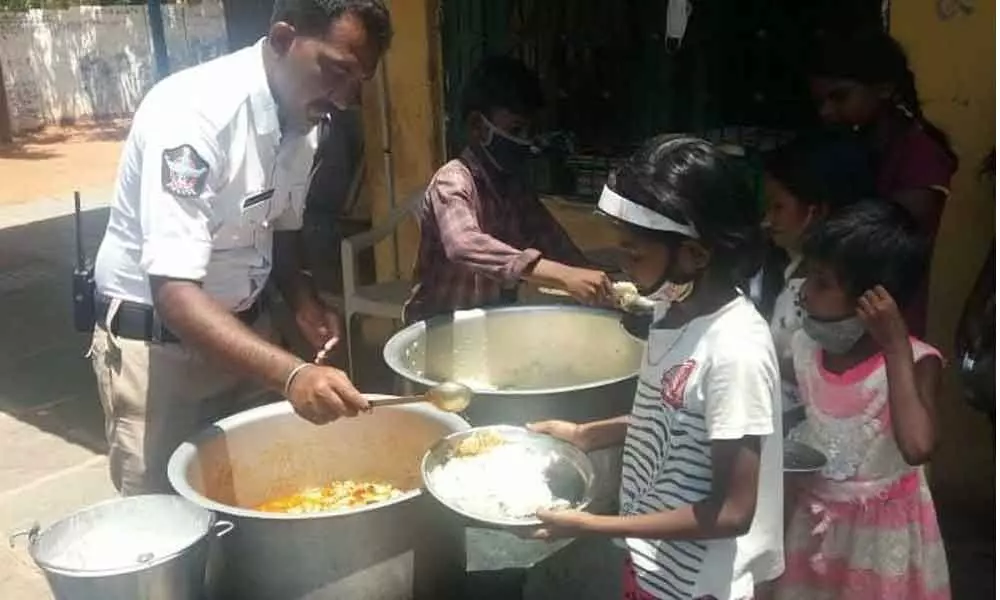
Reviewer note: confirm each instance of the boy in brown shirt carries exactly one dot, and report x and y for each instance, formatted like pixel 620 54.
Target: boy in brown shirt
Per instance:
pixel 483 229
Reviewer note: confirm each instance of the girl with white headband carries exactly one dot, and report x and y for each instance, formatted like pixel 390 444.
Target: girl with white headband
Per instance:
pixel 700 501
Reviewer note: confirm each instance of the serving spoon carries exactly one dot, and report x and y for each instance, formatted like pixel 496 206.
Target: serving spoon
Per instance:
pixel 449 396
pixel 632 303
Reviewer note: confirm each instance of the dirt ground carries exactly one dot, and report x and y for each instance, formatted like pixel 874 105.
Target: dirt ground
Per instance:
pixel 57 160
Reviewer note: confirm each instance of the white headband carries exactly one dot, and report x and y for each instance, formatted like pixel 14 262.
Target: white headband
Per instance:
pixel 625 210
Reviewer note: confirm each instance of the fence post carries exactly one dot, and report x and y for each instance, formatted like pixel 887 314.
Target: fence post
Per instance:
pixel 159 39
pixel 6 127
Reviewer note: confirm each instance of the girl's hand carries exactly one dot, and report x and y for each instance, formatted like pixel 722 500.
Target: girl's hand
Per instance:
pixel 559 524
pixel 881 316
pixel 564 430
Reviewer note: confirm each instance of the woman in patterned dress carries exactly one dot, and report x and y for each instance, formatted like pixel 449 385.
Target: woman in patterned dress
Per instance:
pixel 803 181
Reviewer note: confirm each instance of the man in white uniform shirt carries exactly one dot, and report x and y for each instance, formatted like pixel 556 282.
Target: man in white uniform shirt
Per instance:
pixel 210 192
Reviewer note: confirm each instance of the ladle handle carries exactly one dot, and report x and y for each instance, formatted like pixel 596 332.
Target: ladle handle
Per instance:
pixel 377 402
pixel 554 292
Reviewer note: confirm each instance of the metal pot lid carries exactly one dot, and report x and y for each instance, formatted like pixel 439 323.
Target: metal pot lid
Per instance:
pixel 122 535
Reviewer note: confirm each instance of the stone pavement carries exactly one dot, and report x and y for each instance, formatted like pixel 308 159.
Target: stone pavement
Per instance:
pixel 51 430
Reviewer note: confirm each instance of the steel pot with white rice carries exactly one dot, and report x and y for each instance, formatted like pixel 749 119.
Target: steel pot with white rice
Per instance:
pixel 528 363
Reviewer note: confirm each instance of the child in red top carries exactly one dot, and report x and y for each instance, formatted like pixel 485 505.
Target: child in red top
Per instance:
pixel 864 82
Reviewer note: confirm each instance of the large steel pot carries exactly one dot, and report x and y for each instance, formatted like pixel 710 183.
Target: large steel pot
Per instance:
pixel 410 547
pixel 528 363
pixel 524 363
pixel 151 547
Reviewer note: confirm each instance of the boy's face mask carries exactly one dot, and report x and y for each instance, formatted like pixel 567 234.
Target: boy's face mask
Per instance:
pixel 507 152
pixel 835 337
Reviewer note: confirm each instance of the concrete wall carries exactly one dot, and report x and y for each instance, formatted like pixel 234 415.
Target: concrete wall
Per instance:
pixel 93 61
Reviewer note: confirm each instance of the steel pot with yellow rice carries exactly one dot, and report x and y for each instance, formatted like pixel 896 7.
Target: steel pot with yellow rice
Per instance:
pixel 332 511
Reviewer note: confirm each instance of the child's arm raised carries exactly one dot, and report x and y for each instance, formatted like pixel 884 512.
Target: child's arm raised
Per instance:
pixel 913 387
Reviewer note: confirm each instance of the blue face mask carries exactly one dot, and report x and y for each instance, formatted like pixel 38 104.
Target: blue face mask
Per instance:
pixel 507 152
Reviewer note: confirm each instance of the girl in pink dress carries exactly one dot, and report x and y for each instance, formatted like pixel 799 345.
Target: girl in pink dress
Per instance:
pixel 865 527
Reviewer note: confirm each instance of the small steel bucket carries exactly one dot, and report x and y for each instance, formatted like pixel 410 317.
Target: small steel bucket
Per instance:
pixel 152 547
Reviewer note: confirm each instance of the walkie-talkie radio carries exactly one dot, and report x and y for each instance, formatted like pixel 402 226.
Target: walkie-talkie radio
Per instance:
pixel 84 312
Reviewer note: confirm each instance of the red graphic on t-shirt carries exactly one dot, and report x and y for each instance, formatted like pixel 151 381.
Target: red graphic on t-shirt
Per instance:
pixel 675 381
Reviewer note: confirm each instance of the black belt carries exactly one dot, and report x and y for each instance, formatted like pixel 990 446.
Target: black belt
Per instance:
pixel 135 321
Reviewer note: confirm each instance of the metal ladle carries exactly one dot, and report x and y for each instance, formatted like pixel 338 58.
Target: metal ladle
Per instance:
pixel 449 396
pixel 639 305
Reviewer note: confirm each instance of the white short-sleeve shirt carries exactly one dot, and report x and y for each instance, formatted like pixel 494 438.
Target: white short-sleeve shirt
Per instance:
pixel 786 319
pixel 205 178
pixel 716 378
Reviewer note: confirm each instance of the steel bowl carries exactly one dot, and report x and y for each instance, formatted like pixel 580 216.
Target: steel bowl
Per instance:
pixel 570 477
pixel 802 458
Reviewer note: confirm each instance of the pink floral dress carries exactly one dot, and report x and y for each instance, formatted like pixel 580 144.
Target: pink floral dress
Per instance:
pixel 866 529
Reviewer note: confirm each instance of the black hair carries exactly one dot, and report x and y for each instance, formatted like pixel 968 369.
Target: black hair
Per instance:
pixel 823 169
pixel 873 242
pixel 502 82
pixel 313 17
pixel 873 57
pixel 692 182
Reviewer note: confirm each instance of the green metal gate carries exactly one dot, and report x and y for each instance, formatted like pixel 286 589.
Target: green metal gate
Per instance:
pixel 612 81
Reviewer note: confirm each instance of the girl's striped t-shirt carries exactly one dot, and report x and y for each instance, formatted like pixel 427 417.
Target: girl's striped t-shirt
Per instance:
pixel 715 378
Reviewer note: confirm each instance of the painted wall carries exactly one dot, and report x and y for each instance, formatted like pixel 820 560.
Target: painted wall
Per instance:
pixel 952 52
pixel 413 88
pixel 95 61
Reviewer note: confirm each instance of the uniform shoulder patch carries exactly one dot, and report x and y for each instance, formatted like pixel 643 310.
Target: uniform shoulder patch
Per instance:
pixel 184 172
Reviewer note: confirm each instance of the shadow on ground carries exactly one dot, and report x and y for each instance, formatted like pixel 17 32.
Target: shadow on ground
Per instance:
pixel 43 144
pixel 47 379
pixel 17 152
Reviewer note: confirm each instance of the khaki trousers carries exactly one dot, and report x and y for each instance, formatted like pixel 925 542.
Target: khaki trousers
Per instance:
pixel 157 395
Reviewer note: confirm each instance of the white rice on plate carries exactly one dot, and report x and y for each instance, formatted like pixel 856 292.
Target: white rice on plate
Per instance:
pixel 506 482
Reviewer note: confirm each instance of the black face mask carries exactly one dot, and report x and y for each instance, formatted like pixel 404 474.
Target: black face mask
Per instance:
pixel 507 152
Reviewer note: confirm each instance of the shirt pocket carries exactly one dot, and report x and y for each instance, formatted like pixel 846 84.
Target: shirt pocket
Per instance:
pixel 256 210
pixel 242 219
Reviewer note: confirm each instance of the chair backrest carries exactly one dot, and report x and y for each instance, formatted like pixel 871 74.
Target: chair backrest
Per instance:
pixel 350 246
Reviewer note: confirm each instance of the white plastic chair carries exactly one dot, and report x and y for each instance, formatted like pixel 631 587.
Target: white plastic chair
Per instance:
pixel 383 299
